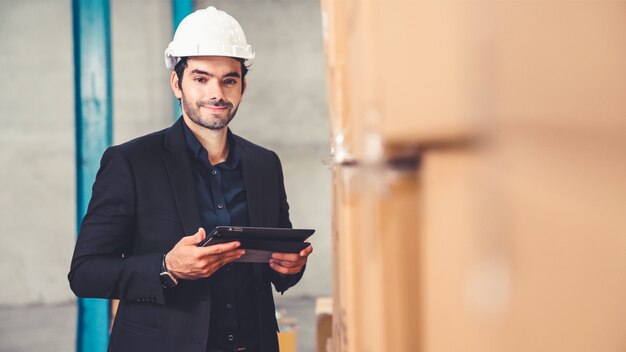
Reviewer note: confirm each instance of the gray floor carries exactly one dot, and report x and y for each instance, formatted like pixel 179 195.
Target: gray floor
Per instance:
pixel 53 328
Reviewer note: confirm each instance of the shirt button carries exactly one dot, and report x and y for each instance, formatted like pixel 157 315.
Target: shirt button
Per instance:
pixel 220 206
pixel 229 306
pixel 231 337
pixel 214 172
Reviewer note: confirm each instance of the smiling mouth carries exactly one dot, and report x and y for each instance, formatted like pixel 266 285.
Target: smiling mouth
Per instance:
pixel 215 108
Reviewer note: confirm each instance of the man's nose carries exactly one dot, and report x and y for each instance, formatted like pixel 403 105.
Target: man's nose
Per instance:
pixel 216 90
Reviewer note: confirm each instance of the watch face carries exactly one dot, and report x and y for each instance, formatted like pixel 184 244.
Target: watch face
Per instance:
pixel 167 280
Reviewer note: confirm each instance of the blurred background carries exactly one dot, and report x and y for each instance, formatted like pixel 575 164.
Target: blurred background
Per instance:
pixel 284 109
pixel 462 161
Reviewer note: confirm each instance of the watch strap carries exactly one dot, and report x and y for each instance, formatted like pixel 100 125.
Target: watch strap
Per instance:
pixel 167 279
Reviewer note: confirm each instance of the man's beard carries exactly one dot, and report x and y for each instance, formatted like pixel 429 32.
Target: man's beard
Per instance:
pixel 211 122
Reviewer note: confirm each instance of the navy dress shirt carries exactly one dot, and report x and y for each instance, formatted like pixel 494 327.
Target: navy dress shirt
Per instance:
pixel 222 199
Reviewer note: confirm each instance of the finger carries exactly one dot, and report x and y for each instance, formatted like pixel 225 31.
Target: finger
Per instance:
pixel 286 264
pixel 221 248
pixel 223 258
pixel 193 239
pixel 232 256
pixel 213 262
pixel 284 270
pixel 219 260
pixel 305 252
pixel 292 257
pixel 207 261
pixel 279 268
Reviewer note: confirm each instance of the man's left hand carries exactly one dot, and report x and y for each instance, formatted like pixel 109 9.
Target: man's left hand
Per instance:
pixel 290 263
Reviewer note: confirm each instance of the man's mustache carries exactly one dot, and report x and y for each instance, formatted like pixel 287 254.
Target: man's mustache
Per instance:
pixel 216 102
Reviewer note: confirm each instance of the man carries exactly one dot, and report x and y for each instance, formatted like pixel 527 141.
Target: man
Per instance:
pixel 187 179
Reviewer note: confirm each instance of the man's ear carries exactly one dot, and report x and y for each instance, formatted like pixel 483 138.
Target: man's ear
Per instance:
pixel 245 84
pixel 174 85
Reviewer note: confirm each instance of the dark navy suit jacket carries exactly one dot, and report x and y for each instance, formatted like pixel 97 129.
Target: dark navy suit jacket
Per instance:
pixel 143 202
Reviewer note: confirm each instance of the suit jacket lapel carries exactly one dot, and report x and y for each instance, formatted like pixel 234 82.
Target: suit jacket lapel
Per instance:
pixel 179 170
pixel 252 172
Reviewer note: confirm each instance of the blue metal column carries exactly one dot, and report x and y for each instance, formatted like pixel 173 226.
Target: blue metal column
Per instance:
pixel 180 9
pixel 92 79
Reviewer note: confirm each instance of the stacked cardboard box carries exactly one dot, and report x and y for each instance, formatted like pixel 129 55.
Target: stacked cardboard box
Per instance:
pixel 479 175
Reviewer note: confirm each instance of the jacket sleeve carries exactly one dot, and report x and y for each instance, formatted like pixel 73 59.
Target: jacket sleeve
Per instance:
pixel 281 281
pixel 103 265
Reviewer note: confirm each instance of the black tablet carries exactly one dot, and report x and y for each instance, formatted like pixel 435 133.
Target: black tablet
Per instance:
pixel 260 242
pixel 236 233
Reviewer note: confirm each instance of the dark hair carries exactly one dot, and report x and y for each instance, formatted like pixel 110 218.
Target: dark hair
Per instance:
pixel 182 65
pixel 179 69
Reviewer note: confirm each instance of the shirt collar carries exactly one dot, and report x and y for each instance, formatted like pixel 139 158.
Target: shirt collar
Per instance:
pixel 198 153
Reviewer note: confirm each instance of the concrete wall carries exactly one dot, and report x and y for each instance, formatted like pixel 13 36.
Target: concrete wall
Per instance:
pixel 284 109
pixel 37 181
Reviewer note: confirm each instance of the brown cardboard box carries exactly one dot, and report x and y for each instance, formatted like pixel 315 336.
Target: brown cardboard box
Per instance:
pixel 509 237
pixel 324 323
pixel 376 245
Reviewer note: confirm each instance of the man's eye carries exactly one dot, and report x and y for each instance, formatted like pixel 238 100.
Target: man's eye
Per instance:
pixel 200 79
pixel 230 82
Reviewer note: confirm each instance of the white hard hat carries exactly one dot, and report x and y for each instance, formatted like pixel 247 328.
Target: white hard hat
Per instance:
pixel 208 32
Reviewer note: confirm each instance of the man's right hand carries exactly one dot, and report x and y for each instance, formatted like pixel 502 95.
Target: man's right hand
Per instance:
pixel 187 261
